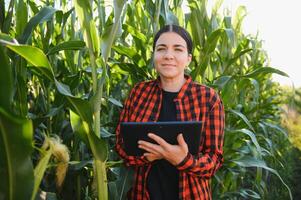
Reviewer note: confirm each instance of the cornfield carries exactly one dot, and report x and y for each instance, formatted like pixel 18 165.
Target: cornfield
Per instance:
pixel 67 66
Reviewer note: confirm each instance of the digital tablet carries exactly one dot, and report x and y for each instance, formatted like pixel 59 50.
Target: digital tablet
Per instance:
pixel 132 132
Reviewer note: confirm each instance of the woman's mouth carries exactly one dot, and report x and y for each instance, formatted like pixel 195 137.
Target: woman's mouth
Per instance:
pixel 168 65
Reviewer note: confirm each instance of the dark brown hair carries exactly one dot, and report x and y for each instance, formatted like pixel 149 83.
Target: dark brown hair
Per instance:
pixel 176 29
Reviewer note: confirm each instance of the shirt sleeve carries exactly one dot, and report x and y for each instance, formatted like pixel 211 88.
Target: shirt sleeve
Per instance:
pixel 124 117
pixel 211 158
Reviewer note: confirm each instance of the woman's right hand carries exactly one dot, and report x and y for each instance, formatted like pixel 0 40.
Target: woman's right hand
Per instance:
pixel 149 155
pixel 174 154
pixel 152 157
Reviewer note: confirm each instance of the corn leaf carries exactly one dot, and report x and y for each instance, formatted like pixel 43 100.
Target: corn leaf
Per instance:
pixel 9 17
pixel 79 127
pixel 254 162
pixel 15 163
pixel 84 12
pixel 246 193
pixel 115 102
pixel 82 108
pixel 2 13
pixel 212 40
pixel 243 117
pixel 263 71
pixel 69 45
pixel 40 170
pixel 35 57
pixel 6 81
pixel 108 38
pixel 134 32
pixel 44 15
pixel 21 17
pixel 63 88
pixel 252 136
pixel 85 133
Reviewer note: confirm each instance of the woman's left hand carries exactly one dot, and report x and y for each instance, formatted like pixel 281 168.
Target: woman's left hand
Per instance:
pixel 172 153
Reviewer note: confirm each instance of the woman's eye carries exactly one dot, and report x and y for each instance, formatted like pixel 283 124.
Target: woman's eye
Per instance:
pixel 177 49
pixel 160 49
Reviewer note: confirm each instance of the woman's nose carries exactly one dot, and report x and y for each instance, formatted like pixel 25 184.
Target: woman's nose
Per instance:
pixel 168 54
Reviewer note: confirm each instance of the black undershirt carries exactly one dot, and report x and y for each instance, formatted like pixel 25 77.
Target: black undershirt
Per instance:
pixel 163 178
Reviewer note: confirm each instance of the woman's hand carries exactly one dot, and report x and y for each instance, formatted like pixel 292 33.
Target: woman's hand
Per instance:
pixel 172 153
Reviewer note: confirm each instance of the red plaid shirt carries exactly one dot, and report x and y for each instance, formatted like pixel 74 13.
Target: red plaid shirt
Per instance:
pixel 194 102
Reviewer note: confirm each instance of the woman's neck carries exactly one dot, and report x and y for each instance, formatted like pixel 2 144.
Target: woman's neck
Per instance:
pixel 172 85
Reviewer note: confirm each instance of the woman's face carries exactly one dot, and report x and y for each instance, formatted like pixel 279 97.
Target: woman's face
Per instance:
pixel 171 56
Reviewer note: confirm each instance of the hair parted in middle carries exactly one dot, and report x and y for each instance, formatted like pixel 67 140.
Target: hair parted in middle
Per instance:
pixel 178 30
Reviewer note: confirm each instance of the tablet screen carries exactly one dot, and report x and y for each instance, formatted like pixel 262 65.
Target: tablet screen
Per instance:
pixel 132 132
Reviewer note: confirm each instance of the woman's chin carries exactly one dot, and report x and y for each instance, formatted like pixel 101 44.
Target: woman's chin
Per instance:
pixel 169 75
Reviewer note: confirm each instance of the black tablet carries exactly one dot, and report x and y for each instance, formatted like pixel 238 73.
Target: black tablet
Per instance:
pixel 132 132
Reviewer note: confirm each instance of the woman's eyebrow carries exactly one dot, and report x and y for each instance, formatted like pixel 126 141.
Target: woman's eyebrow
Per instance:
pixel 176 45
pixel 179 45
pixel 161 45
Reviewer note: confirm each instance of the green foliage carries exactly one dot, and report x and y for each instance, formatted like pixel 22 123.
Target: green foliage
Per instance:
pixel 15 140
pixel 292 116
pixel 16 166
pixel 6 81
pixel 71 68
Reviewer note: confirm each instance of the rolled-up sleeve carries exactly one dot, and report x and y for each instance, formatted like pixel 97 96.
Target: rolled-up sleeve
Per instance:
pixel 211 158
pixel 124 117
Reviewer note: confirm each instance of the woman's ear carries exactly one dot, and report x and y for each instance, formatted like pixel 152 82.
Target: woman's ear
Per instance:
pixel 189 59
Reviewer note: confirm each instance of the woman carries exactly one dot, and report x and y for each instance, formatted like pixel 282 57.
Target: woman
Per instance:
pixel 169 171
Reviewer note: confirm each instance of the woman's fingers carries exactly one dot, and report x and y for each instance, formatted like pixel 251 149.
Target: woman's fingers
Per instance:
pixel 172 153
pixel 152 157
pixel 152 150
pixel 159 140
pixel 181 141
pixel 150 147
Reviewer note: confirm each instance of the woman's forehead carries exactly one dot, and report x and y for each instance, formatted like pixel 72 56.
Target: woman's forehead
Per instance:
pixel 171 38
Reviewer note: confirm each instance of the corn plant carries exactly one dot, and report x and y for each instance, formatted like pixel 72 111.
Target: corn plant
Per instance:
pixel 68 66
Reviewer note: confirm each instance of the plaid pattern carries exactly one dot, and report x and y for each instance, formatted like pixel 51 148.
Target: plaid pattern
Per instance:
pixel 194 103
